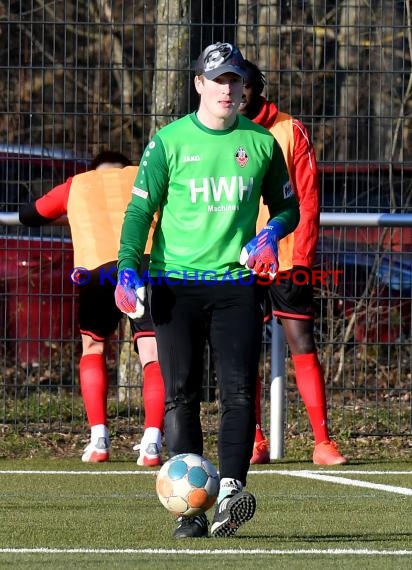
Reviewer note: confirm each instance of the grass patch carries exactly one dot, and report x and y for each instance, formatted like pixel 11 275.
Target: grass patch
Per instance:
pixel 298 523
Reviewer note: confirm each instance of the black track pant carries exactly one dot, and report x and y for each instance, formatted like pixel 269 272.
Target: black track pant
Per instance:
pixel 230 316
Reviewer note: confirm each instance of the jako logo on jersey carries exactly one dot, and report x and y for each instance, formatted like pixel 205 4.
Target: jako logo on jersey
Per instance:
pixel 241 157
pixel 287 190
pixel 233 188
pixel 139 192
pixel 191 158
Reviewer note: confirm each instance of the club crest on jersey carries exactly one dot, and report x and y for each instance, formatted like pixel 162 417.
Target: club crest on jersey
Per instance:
pixel 241 156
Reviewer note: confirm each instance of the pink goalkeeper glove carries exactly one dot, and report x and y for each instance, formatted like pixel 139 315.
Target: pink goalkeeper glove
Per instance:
pixel 130 293
pixel 261 253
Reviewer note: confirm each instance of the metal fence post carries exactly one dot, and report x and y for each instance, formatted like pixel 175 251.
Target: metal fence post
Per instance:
pixel 277 392
pixel 278 380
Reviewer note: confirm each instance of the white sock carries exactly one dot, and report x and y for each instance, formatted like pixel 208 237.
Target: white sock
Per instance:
pixel 226 487
pixel 152 435
pixel 99 430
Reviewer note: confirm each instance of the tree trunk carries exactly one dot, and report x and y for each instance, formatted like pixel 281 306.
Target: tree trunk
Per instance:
pixel 171 69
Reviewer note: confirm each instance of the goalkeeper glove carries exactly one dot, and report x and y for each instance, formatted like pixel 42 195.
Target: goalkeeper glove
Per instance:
pixel 130 293
pixel 298 278
pixel 261 253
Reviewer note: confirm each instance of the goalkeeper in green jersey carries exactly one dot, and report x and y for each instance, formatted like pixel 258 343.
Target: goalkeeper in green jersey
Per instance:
pixel 205 173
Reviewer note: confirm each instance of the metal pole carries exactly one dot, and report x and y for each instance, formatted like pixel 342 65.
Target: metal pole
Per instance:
pixel 277 392
pixel 278 381
pixel 371 220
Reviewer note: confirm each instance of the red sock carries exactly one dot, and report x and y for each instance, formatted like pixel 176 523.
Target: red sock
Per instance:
pixel 153 396
pixel 258 410
pixel 94 386
pixel 311 385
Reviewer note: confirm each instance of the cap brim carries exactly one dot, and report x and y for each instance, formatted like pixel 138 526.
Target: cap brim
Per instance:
pixel 213 73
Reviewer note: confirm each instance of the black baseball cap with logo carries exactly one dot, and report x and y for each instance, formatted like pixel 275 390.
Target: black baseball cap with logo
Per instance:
pixel 220 58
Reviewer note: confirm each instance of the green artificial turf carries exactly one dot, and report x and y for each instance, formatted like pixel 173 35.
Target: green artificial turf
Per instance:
pixel 85 511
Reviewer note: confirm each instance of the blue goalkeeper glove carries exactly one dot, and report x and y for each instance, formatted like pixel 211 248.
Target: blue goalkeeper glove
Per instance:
pixel 130 293
pixel 261 253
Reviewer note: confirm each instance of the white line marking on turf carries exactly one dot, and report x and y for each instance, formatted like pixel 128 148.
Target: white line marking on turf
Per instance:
pixel 331 471
pixel 155 471
pixel 47 472
pixel 235 552
pixel 349 482
pixel 306 474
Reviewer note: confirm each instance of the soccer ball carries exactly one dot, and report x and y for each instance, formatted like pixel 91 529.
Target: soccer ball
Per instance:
pixel 187 484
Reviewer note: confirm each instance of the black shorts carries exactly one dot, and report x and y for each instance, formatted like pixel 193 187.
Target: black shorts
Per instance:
pixel 98 313
pixel 277 303
pixel 142 327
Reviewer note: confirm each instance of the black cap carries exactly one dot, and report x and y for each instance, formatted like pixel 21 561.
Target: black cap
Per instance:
pixel 220 58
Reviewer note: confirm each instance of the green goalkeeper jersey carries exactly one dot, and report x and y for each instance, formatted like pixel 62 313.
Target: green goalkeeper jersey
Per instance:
pixel 206 185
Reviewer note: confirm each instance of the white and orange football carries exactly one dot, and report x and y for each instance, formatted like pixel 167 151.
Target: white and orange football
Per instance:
pixel 187 484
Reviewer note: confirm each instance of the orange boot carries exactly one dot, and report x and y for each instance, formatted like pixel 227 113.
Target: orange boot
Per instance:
pixel 260 448
pixel 327 453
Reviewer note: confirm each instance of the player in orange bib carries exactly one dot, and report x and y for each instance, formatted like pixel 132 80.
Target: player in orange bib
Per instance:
pixel 95 202
pixel 292 292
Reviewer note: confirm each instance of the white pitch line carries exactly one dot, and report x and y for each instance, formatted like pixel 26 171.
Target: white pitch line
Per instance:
pixel 331 471
pixel 196 552
pixel 306 474
pixel 349 482
pixel 55 472
pixel 155 471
